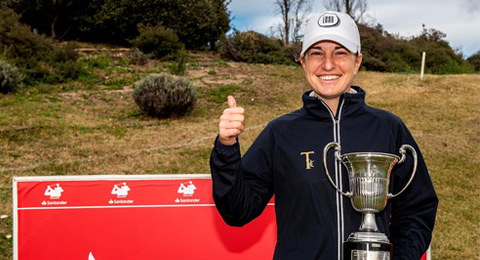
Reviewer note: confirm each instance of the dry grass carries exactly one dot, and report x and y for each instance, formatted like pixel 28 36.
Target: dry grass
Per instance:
pixel 101 131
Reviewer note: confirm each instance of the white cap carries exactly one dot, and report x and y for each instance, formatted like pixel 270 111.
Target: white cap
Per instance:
pixel 333 26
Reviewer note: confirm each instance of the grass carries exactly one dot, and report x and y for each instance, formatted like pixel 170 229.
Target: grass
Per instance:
pixel 94 127
pixel 219 95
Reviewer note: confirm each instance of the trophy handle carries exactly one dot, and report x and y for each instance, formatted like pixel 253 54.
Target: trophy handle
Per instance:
pixel 337 157
pixel 414 154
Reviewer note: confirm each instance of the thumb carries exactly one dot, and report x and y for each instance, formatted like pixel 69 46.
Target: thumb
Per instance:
pixel 231 102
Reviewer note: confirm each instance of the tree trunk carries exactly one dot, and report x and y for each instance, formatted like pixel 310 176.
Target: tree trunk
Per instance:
pixel 286 20
pixel 52 27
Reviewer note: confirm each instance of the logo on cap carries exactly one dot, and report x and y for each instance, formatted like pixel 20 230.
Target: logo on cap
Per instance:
pixel 328 20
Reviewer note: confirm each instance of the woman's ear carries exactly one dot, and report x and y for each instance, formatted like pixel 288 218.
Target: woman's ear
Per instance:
pixel 358 62
pixel 302 61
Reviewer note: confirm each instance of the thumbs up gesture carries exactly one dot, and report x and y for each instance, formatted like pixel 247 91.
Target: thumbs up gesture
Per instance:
pixel 231 122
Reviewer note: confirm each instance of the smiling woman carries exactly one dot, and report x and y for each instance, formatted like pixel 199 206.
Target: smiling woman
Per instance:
pixel 285 160
pixel 331 56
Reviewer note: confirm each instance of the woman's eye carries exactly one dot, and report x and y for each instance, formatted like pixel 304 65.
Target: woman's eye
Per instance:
pixel 316 53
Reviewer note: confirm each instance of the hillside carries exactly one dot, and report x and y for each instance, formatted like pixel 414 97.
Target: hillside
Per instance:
pixel 96 128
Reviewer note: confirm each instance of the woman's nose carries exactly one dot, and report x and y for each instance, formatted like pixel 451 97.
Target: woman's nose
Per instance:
pixel 328 63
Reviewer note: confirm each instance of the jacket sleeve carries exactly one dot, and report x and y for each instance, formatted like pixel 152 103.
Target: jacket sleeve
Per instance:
pixel 413 211
pixel 242 187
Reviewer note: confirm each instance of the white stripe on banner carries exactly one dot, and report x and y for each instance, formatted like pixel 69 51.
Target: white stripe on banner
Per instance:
pixel 129 206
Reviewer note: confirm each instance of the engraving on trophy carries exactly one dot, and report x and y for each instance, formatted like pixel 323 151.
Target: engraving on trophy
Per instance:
pixel 366 255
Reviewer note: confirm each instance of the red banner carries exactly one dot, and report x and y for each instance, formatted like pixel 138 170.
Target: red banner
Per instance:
pixel 131 217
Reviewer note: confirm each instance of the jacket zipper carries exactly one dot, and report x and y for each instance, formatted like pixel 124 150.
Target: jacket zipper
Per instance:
pixel 338 179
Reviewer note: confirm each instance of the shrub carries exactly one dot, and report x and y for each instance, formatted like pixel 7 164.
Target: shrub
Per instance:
pixel 157 40
pixel 253 47
pixel 65 62
pixel 383 51
pixel 452 67
pixel 69 70
pixel 137 57
pixel 178 67
pixel 293 51
pixel 20 46
pixel 10 78
pixel 39 58
pixel 164 95
pixel 474 61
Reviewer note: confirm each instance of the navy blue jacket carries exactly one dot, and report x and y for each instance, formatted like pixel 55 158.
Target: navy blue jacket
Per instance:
pixel 313 219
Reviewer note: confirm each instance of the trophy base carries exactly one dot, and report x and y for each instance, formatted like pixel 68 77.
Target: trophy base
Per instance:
pixel 376 247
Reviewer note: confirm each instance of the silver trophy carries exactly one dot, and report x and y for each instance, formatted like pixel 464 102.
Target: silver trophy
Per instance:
pixel 369 176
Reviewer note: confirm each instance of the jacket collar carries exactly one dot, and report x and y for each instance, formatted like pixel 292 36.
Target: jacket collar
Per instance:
pixel 352 104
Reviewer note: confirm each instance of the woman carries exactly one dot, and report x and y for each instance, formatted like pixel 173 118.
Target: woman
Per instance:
pixel 313 219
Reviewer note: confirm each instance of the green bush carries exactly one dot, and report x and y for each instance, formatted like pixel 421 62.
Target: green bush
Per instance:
pixel 69 70
pixel 383 51
pixel 165 95
pixel 20 46
pixel 37 57
pixel 253 47
pixel 452 67
pixel 372 63
pixel 157 40
pixel 178 67
pixel 474 61
pixel 198 23
pixel 10 78
pixel 137 57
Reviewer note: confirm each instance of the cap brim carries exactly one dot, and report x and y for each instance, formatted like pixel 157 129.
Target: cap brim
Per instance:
pixel 331 37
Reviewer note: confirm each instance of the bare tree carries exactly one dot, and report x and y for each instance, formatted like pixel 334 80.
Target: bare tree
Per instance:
pixel 355 8
pixel 294 13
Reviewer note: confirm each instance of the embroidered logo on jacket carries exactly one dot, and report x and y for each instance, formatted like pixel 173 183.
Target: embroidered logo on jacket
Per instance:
pixel 308 162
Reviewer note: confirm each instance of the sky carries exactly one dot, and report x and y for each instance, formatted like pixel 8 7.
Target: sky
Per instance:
pixel 458 19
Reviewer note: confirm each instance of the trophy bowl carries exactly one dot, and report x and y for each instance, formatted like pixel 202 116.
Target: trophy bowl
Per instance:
pixel 369 177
